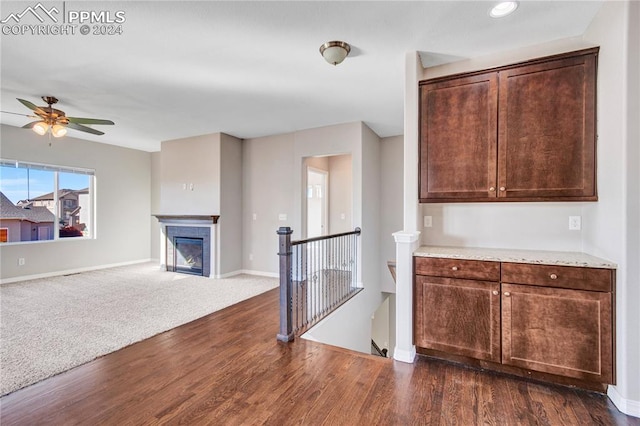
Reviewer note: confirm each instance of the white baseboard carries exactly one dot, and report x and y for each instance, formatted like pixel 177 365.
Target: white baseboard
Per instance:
pixel 228 274
pixel 627 406
pixel 260 273
pixel 69 271
pixel 248 272
pixel 404 355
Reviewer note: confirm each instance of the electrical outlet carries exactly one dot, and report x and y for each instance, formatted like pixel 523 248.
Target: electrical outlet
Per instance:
pixel 575 223
pixel 21 261
pixel 255 216
pixel 428 221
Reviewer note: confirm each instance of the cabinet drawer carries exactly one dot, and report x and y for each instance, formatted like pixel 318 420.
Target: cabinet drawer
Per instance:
pixel 578 278
pixel 457 268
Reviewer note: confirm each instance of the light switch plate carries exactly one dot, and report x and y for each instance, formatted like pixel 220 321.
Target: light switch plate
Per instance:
pixel 282 216
pixel 428 221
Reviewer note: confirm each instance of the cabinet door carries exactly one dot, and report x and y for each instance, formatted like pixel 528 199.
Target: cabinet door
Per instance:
pixel 458 316
pixel 558 331
pixel 546 137
pixel 458 130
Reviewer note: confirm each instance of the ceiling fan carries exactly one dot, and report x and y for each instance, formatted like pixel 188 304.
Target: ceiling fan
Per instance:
pixel 55 120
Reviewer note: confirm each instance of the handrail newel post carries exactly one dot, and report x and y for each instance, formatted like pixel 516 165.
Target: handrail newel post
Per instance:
pixel 286 333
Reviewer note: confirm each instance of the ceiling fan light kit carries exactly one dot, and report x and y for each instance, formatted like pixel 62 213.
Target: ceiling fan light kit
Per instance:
pixel 41 128
pixel 335 51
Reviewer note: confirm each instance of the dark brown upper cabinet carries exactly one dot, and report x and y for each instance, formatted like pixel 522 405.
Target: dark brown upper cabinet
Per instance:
pixel 524 132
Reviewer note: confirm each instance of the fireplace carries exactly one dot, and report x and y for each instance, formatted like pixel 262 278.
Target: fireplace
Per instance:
pixel 188 244
pixel 187 255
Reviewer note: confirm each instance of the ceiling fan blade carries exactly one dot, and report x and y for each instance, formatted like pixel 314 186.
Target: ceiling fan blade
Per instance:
pixel 30 125
pixel 17 113
pixel 31 106
pixel 82 128
pixel 80 120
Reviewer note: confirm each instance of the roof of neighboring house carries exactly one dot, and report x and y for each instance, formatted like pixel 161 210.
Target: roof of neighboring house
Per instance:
pixel 8 210
pixel 49 195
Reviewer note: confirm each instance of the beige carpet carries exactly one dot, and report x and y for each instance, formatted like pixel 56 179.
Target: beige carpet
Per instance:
pixel 50 325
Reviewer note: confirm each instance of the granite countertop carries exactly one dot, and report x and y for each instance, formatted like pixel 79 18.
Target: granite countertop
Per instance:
pixel 541 257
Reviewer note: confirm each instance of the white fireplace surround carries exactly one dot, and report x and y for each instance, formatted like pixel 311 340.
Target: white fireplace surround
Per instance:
pixel 201 221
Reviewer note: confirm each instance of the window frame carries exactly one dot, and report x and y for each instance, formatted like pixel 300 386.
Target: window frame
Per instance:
pixel 4 162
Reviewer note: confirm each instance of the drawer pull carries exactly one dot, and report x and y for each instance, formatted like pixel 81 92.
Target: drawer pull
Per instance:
pixel 553 276
pixel 492 189
pixel 495 292
pixel 454 268
pixel 507 294
pixel 502 188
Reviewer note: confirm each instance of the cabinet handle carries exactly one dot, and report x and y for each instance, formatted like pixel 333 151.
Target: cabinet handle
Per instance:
pixel 502 188
pixel 507 294
pixel 495 292
pixel 553 276
pixel 455 268
pixel 492 189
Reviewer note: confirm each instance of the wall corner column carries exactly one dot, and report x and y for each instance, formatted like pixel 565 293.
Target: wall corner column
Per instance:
pixel 406 244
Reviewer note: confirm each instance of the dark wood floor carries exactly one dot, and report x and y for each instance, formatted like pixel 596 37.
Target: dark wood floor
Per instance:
pixel 227 368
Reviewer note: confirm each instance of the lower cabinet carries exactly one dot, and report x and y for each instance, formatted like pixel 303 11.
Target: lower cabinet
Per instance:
pixel 558 331
pixel 467 321
pixel 556 320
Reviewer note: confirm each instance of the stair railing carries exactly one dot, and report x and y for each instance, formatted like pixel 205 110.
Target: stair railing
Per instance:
pixel 317 275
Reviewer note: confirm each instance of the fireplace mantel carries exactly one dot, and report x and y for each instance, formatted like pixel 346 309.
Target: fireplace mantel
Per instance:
pixel 187 217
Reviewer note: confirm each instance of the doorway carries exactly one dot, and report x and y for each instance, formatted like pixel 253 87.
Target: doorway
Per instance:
pixel 317 202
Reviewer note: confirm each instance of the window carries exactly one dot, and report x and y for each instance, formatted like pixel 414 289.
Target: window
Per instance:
pixel 45 202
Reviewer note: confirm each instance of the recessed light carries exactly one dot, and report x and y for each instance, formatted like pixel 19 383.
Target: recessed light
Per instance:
pixel 503 9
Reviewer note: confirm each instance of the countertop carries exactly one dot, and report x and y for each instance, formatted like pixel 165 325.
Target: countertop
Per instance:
pixel 541 257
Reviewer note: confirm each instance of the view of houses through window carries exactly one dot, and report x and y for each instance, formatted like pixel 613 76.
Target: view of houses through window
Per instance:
pixel 44 202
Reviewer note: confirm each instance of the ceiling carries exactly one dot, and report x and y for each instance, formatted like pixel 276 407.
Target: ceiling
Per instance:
pixel 253 69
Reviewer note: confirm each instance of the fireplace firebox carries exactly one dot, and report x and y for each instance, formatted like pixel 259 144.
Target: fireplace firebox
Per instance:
pixel 188 255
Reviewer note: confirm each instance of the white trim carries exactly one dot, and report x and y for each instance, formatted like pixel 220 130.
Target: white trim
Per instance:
pixel 627 406
pixel 406 237
pixel 404 355
pixel 228 274
pixel 259 273
pixel 70 271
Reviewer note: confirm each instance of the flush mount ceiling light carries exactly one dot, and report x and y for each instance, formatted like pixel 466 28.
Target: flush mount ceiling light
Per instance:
pixel 503 9
pixel 334 52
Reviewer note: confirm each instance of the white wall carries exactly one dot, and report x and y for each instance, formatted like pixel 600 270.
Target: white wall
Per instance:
pixel 614 221
pixel 633 206
pixel 391 174
pixel 155 205
pixel 230 223
pixel 267 191
pixel 190 175
pixel 340 194
pixel 123 203
pixel 380 325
